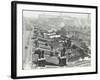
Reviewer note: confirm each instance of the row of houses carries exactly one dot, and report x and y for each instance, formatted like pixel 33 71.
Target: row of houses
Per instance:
pixel 48 42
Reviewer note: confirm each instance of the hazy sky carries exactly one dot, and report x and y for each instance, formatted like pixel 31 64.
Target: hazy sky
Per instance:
pixel 35 14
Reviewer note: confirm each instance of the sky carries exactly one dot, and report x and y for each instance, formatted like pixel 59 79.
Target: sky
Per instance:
pixel 35 14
